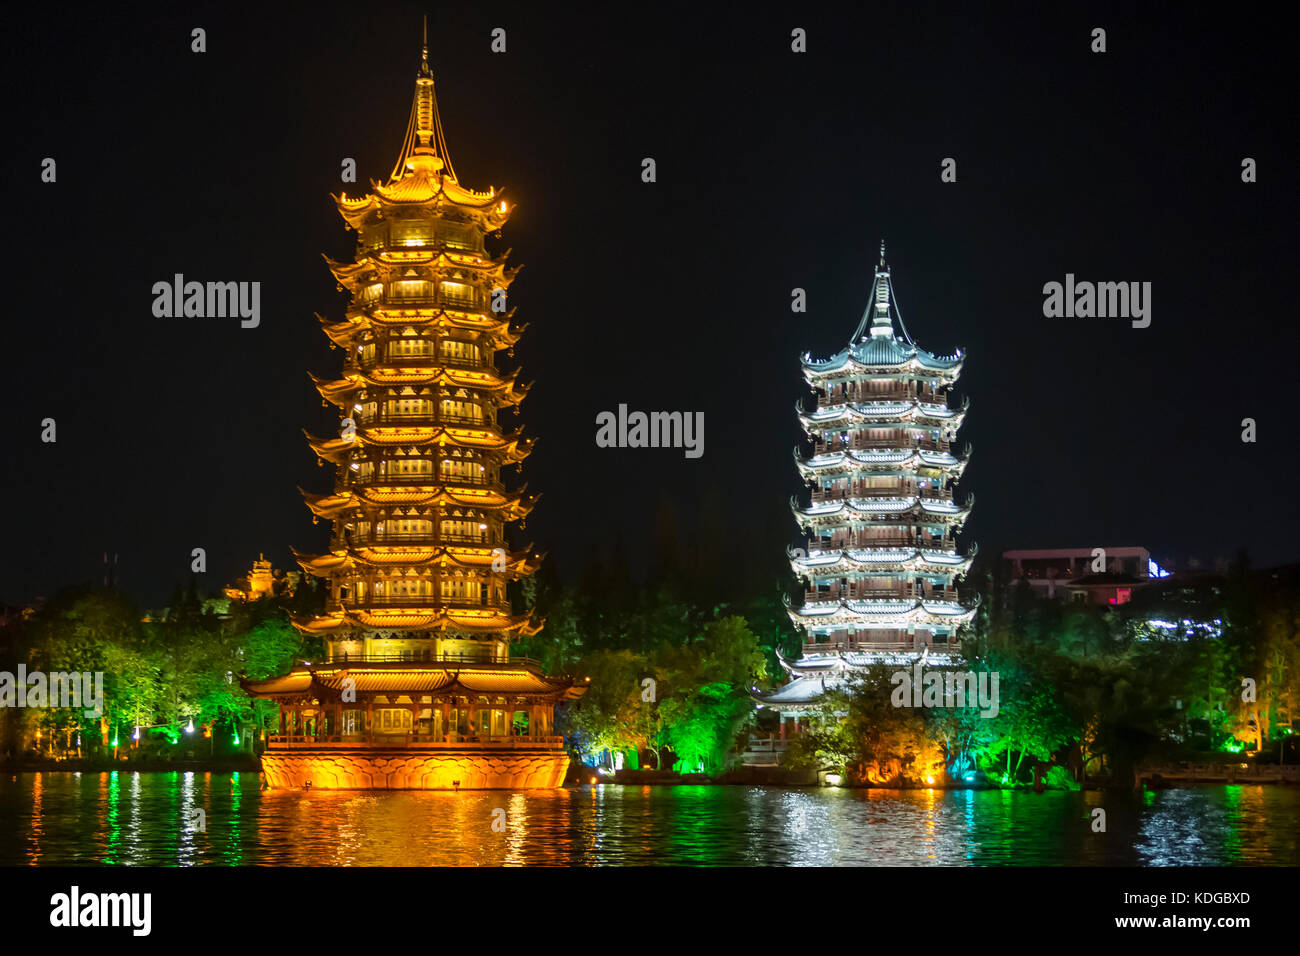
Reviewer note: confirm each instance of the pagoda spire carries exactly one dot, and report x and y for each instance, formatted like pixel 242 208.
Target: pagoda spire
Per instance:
pixel 881 322
pixel 424 151
pixel 877 316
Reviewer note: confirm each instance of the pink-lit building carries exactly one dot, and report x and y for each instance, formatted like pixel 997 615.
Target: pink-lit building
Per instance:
pixel 1088 575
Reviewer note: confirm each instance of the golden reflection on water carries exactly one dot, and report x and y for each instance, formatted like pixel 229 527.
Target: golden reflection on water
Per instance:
pixel 150 819
pixel 36 831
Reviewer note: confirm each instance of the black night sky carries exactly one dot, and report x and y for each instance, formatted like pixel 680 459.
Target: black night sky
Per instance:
pixel 775 170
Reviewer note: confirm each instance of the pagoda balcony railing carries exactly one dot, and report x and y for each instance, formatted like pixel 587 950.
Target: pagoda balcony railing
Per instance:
pixel 485 656
pixel 367 362
pixel 459 303
pixel 842 403
pixel 432 244
pixel 431 602
pixel 863 543
pixel 822 447
pixel 948 595
pixel 424 478
pixel 414 741
pixel 879 647
pixel 892 395
pixel 463 361
pixel 432 538
pixel 900 491
pixel 859 594
pixel 430 356
pixel 430 419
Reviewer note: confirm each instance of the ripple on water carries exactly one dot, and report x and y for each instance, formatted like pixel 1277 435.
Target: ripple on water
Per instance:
pixel 168 819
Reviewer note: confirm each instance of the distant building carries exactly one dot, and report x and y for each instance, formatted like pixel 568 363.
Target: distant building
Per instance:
pixel 1087 575
pixel 263 581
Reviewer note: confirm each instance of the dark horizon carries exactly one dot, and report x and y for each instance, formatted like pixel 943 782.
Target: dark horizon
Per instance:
pixel 775 170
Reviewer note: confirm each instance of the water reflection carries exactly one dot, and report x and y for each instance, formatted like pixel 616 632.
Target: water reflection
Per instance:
pixel 154 819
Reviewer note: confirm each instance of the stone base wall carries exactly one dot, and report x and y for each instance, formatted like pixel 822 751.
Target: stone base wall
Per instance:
pixel 398 769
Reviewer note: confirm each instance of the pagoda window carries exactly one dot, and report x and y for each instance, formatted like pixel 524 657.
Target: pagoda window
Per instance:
pixel 405 526
pixel 372 292
pixel 459 468
pixel 463 529
pixel 456 293
pixel 404 587
pixel 409 346
pixel 393 720
pixel 410 289
pixel 351 721
pixel 413 466
pixel 411 234
pixel 366 352
pixel 460 590
pixel 457 349
pixel 412 407
pixel 457 409
pixel 457 236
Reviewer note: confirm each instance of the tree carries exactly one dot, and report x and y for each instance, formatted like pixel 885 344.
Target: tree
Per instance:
pixel 607 716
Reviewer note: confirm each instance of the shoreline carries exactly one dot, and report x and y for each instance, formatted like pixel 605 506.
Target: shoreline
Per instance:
pixel 233 765
pixel 665 780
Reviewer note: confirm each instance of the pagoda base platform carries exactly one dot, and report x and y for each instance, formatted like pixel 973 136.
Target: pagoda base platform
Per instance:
pixel 398 768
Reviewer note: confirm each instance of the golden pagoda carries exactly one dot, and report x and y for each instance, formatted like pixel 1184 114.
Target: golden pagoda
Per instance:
pixel 417 689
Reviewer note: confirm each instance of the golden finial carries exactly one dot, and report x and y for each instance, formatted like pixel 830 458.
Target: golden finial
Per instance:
pixel 424 50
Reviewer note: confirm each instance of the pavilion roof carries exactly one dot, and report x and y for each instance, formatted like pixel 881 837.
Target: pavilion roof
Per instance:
pixel 414 678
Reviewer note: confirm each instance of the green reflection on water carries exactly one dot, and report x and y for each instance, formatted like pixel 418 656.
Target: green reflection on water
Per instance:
pixel 112 818
pixel 1233 850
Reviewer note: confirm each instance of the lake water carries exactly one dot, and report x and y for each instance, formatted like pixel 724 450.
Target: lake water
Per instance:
pixel 149 820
